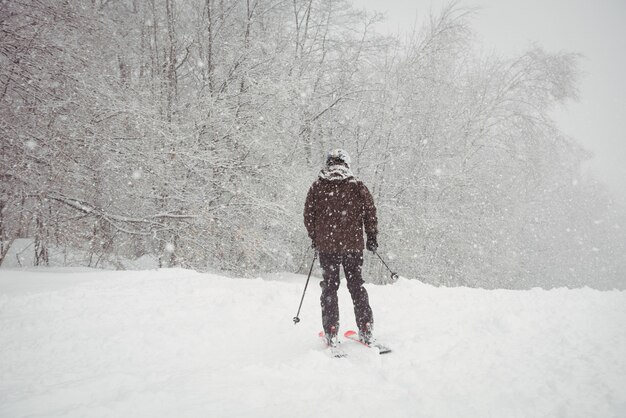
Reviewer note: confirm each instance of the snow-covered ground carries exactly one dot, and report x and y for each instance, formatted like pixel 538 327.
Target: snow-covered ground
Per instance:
pixel 176 343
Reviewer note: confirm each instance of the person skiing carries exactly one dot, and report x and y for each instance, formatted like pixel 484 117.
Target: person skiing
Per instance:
pixel 338 208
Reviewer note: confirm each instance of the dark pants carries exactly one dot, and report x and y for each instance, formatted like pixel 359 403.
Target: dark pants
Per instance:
pixel 352 263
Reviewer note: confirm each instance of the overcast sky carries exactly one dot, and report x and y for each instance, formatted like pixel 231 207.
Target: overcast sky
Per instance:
pixel 597 29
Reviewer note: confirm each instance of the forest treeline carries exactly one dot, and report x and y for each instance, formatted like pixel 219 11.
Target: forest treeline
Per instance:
pixel 190 131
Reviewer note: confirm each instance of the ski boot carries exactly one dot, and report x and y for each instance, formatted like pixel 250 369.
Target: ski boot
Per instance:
pixel 365 335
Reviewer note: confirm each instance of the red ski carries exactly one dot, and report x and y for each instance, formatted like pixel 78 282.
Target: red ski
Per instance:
pixel 354 336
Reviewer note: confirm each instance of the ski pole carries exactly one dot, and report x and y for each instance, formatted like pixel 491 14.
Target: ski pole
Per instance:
pixel 296 318
pixel 394 275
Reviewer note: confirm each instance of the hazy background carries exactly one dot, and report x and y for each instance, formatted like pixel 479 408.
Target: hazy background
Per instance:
pixel 149 134
pixel 597 30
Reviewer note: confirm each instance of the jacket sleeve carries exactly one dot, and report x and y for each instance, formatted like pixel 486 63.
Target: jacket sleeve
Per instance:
pixel 309 212
pixel 370 221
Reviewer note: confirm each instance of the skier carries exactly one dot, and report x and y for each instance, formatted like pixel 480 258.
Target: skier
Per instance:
pixel 337 209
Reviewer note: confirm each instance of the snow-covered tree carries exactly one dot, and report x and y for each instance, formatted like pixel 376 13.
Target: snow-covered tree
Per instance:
pixel 190 130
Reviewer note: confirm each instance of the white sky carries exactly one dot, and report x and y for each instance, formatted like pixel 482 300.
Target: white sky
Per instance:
pixel 597 29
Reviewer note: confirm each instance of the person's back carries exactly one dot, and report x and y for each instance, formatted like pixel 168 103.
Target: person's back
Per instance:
pixel 337 210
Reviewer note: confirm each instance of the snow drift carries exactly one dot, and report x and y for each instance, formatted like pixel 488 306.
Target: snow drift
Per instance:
pixel 164 343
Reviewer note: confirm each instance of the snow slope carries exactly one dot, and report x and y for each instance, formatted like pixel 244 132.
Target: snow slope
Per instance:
pixel 176 343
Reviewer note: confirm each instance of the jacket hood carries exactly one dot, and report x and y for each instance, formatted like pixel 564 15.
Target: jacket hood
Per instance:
pixel 336 173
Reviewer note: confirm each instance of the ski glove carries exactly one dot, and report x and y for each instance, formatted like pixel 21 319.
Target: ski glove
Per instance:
pixel 371 244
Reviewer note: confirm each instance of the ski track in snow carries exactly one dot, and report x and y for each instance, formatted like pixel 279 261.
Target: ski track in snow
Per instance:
pixel 176 343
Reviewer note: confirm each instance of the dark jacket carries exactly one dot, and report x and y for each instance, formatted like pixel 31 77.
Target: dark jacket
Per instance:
pixel 335 213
